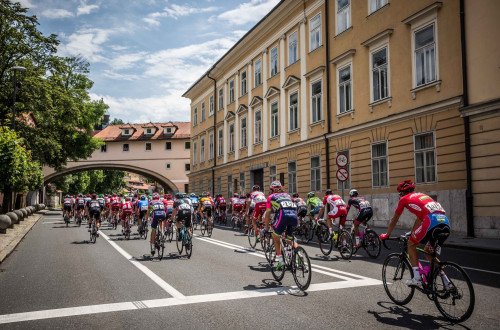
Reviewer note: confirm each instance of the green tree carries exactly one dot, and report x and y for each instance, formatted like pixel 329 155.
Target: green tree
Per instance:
pixel 116 121
pixel 93 181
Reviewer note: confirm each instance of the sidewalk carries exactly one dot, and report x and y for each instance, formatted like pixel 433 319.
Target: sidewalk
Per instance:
pixel 10 240
pixel 490 245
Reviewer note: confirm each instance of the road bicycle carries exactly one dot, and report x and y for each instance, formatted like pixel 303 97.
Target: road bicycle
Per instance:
pixel 206 225
pixel 196 219
pixel 237 220
pixel 78 219
pixel 128 224
pixel 446 283
pixel 295 260
pixel 159 243
pixel 220 217
pixel 66 219
pixel 93 230
pixel 143 231
pixel 341 239
pixel 305 230
pixel 368 240
pixel 184 240
pixel 114 221
pixel 255 234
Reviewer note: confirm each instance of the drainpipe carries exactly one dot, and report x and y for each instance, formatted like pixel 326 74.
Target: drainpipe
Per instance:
pixel 215 132
pixel 469 205
pixel 327 142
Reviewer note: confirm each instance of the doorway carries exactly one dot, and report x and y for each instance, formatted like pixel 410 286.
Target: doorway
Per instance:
pixel 257 177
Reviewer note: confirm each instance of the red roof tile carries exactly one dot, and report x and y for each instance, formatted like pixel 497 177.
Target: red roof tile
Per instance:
pixel 114 132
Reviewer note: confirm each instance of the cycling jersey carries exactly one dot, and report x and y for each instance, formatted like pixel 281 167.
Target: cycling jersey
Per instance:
pixel 206 205
pixel 80 203
pixel 94 208
pixel 286 215
pixel 115 203
pixel 259 201
pixel 142 206
pixel 301 206
pixel 314 204
pixel 157 209
pixel 101 202
pixel 364 209
pixel 220 202
pixel 169 205
pixel 194 201
pixel 336 206
pixel 183 210
pixel 67 204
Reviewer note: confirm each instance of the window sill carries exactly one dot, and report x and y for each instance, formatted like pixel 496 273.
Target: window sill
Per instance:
pixel 378 10
pixel 243 95
pixel 292 64
pixel 243 148
pixel 276 137
pixel 274 75
pixel 257 143
pixel 316 123
pixel 341 33
pixel 296 130
pixel 436 83
pixel 344 114
pixel 387 99
pixel 315 49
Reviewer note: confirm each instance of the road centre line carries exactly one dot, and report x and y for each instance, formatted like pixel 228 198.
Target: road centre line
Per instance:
pixel 185 300
pixel 164 285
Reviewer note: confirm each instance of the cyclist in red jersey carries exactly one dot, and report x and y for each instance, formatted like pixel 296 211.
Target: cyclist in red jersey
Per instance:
pixel 169 204
pixel 258 199
pixel 126 208
pixel 220 204
pixel 235 204
pixel 336 209
pixel 431 221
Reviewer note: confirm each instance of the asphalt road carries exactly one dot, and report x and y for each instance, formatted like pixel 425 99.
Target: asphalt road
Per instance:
pixel 57 279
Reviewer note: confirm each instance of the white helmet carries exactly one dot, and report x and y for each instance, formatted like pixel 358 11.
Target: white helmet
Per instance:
pixel 353 193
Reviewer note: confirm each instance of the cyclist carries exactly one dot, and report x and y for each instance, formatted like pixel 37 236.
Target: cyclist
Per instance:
pixel 102 203
pixel 258 199
pixel 206 206
pixel 281 204
pixel 431 220
pixel 220 205
pixel 87 200
pixel 94 210
pixel 234 200
pixel 314 204
pixel 249 208
pixel 107 203
pixel 182 211
pixel 158 215
pixel 364 215
pixel 80 205
pixel 169 204
pixel 141 211
pixel 126 211
pixel 73 205
pixel 115 206
pixel 335 206
pixel 301 206
pixel 66 208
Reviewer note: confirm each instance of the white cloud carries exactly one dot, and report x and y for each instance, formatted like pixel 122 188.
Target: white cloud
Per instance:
pixel 57 13
pixel 85 9
pixel 120 76
pixel 126 61
pixel 248 12
pixel 26 3
pixel 175 11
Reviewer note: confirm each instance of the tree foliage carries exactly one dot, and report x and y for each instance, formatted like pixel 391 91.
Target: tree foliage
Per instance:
pixel 93 181
pixel 116 121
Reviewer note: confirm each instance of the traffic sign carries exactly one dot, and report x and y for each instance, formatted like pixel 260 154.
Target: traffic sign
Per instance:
pixel 342 160
pixel 342 174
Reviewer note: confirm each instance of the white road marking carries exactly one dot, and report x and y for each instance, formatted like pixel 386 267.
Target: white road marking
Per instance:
pixel 158 280
pixel 166 302
pixel 53 222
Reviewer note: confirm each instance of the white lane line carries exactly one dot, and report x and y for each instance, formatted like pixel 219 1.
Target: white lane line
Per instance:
pixel 158 280
pixel 166 302
pixel 53 222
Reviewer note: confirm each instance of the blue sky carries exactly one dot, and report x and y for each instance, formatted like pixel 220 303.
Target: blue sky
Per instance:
pixel 144 54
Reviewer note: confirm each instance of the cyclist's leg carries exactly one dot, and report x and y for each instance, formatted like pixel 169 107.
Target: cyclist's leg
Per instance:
pixel 154 225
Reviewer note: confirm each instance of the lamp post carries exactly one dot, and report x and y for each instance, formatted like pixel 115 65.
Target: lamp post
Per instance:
pixel 22 69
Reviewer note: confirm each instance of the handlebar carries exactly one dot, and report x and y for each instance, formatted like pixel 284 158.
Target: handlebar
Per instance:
pixel 400 238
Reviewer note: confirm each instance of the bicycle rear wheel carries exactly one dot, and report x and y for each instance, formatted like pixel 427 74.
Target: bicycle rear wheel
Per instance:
pixel 188 244
pixel 301 268
pixel 454 294
pixel 345 245
pixel 210 229
pixel 324 241
pixel 371 243
pixel 203 227
pixel 160 244
pixel 252 240
pixel 395 271
pixel 170 234
pixel 178 241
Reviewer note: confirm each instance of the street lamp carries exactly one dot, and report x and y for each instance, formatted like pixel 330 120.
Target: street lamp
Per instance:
pixel 22 69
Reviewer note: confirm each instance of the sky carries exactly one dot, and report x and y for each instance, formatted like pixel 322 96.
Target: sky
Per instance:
pixel 144 54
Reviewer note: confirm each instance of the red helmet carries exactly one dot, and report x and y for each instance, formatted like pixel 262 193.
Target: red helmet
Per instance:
pixel 94 196
pixel 156 196
pixel 88 195
pixel 405 186
pixel 168 196
pixel 128 198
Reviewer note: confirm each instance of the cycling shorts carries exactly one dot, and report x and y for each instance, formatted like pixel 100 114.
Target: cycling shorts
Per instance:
pixel 157 217
pixel 340 212
pixel 302 211
pixel 115 207
pixel 67 207
pixel 222 208
pixel 250 210
pixel 208 211
pixel 237 208
pixel 186 217
pixel 260 208
pixel 80 207
pixel 95 213
pixel 142 214
pixel 432 225
pixel 125 213
pixel 364 216
pixel 285 219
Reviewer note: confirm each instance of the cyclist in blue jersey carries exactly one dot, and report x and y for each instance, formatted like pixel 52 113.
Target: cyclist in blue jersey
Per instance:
pixel 142 210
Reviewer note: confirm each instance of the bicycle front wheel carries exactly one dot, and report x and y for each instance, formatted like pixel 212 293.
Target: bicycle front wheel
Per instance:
pixel 395 271
pixel 345 245
pixel 252 240
pixel 371 243
pixel 324 241
pixel 454 294
pixel 301 268
pixel 161 245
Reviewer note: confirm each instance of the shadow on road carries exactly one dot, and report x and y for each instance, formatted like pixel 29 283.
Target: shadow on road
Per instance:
pixel 263 267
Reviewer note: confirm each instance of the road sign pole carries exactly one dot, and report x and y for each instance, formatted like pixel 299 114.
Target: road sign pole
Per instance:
pixel 343 190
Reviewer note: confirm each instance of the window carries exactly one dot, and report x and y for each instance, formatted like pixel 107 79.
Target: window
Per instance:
pixel 274 61
pixel 425 55
pixel 315 174
pixel 425 158
pixel 195 152
pixel 187 167
pixel 258 73
pixel 292 177
pixel 292 48
pixel 125 147
pixel 229 185
pixel 345 91
pixel 293 116
pixel 211 146
pixel 211 106
pixel 201 184
pixel 242 183
pixel 221 141
pixel 317 113
pixel 168 145
pixel 195 119
pixel 219 185
pixel 202 150
pixel 187 145
pixel 347 184
pixel 103 148
pixel 274 119
pixel 315 32
pixel 258 126
pixel 231 91
pixel 379 74
pixel 126 132
pixel 148 146
pixel 221 99
pixel 168 131
pixel 186 187
pixel 168 166
pixel 231 138
pixel 243 78
pixel 379 165
pixel 209 185
pixel 243 128
pixel 203 112
pixel 272 174
pixel 343 15
pixel 376 5
pixel 149 131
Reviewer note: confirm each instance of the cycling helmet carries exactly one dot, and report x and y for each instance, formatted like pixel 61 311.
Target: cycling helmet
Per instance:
pixel 255 187
pixel 236 195
pixel 168 196
pixel 328 192
pixel 128 198
pixel 88 195
pixel 114 195
pixel 93 196
pixel 143 198
pixel 310 194
pixel 353 193
pixel 67 196
pixel 156 196
pixel 295 195
pixel 200 195
pixel 80 195
pixel 179 195
pixel 275 185
pixel 192 195
pixel 406 187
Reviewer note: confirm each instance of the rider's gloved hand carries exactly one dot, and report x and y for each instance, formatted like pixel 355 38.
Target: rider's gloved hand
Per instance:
pixel 383 237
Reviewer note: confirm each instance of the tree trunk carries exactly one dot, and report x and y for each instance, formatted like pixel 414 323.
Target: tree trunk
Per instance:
pixel 7 197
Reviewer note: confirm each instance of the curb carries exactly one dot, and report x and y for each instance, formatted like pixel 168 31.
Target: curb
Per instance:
pixel 15 242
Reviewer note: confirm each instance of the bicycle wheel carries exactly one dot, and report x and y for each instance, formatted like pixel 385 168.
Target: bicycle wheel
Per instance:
pixel 210 229
pixel 301 268
pixel 454 294
pixel 115 223
pixel 267 246
pixel 93 236
pixel 371 243
pixel 395 271
pixel 188 244
pixel 203 227
pixel 354 249
pixel 324 241
pixel 178 241
pixel 233 222
pixel 344 245
pixel 252 240
pixel 277 274
pixel 310 232
pixel 170 234
pixel 127 232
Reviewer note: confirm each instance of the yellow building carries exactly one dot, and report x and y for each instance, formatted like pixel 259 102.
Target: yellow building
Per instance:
pixel 378 81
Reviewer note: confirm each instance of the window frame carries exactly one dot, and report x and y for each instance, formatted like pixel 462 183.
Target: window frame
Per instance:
pixel 274 122
pixel 315 184
pixel 168 166
pixel 343 84
pixel 378 158
pixel 187 167
pixel 203 117
pixel 377 6
pixel 340 11
pixel 257 73
pixel 202 150
pixel 211 106
pixel 167 144
pixel 243 83
pixel 414 30
pixel 259 126
pixel 231 137
pixel 187 145
pixel 292 177
pixel 296 111
pixel 195 116
pixel 273 177
pixel 313 97
pixel 424 151
pixel 315 30
pixel 220 137
pixel 242 182
pixel 230 185
pixel 374 50
pixel 104 148
pixel 244 132
pixel 146 146
pixel 210 146
pixel 195 151
pixel 221 99
pixel 273 60
pixel 296 47
pixel 123 147
pixel 231 92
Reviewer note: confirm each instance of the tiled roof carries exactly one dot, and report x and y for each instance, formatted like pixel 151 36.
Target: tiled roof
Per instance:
pixel 114 132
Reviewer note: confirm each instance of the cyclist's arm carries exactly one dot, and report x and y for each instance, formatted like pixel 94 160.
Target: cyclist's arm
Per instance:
pixel 392 224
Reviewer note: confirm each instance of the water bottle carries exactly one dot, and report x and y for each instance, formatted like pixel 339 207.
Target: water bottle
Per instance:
pixel 424 272
pixel 361 234
pixel 288 252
